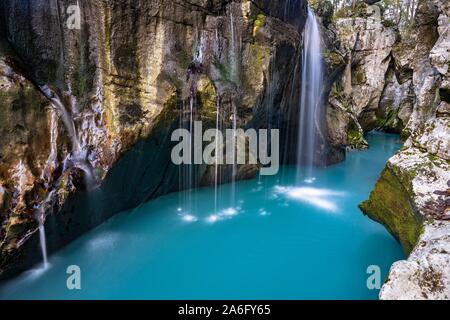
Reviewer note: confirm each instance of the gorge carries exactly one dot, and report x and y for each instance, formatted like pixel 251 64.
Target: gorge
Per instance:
pixel 87 114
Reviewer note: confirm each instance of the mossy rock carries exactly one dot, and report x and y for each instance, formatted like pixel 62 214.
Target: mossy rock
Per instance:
pixel 359 77
pixel 360 10
pixel 391 204
pixel 389 122
pixel 207 96
pixel 325 9
pixel 333 59
pixel 355 138
pixel 83 74
pixel 258 23
pixel 224 71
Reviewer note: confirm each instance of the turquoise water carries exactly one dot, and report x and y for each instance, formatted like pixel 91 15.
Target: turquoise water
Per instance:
pixel 281 240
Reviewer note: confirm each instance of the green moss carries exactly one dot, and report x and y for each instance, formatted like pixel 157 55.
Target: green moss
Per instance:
pixel 390 203
pixel 388 23
pixel 360 10
pixel 258 23
pixel 207 96
pixel 183 58
pixel 359 76
pixel 259 55
pixel 225 73
pixel 389 122
pixel 333 58
pixel 405 134
pixel 171 78
pixel 84 72
pixel 355 138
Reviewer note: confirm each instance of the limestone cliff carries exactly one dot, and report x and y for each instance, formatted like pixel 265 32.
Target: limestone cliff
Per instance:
pixel 412 196
pixel 397 81
pixel 100 100
pixel 363 50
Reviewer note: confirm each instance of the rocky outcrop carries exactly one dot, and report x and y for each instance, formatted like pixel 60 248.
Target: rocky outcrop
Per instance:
pixel 425 275
pixel 440 57
pixel 365 44
pixel 406 194
pixel 105 98
pixel 370 44
pixel 412 200
pixel 412 196
pixel 25 148
pixel 412 59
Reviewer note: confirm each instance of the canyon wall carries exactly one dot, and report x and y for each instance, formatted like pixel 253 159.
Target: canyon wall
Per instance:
pixel 102 101
pixel 87 111
pixel 412 196
pixel 384 78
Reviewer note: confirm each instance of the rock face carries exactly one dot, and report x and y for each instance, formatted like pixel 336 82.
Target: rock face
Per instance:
pixel 412 197
pixel 364 55
pixel 25 123
pixel 425 275
pixel 371 44
pixel 99 99
pixel 405 196
pixel 87 110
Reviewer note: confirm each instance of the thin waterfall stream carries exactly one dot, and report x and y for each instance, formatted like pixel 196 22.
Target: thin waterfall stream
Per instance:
pixel 78 157
pixel 275 228
pixel 235 76
pixel 214 150
pixel 310 102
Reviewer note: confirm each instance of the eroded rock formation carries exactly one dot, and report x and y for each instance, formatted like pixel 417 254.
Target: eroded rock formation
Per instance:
pixel 103 100
pixel 411 198
pixel 394 81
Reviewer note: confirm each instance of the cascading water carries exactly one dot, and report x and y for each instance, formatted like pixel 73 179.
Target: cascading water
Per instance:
pixel 53 157
pixel 65 117
pixel 43 241
pixel 78 157
pixel 40 217
pixel 235 51
pixel 188 173
pixel 310 102
pixel 216 165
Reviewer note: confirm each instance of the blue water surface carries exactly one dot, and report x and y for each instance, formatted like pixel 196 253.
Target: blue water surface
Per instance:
pixel 276 239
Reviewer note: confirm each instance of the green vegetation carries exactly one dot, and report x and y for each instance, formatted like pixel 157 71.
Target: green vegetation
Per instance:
pixel 355 138
pixel 225 73
pixel 258 22
pixel 84 72
pixel 389 121
pixel 390 203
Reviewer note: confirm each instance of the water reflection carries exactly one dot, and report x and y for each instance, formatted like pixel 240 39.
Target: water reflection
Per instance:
pixel 320 198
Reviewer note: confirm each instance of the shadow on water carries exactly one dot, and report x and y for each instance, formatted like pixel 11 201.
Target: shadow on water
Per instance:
pixel 279 241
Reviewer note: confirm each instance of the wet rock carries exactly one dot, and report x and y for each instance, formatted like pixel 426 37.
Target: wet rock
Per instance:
pixel 364 46
pixel 408 194
pixel 126 80
pixel 425 275
pixel 396 104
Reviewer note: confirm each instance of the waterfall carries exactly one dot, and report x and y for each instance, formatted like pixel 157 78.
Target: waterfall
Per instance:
pixel 234 50
pixel 43 241
pixel 310 102
pixel 79 156
pixel 235 53
pixel 216 166
pixel 52 161
pixel 40 217
pixel 65 117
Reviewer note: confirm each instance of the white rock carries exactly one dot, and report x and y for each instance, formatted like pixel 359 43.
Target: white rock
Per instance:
pixel 426 273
